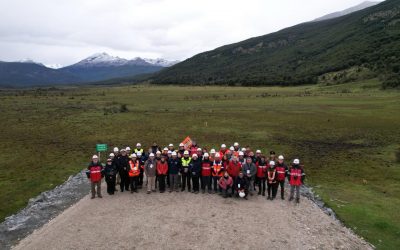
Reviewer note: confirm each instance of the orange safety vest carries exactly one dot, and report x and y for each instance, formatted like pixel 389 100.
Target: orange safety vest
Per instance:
pixel 134 170
pixel 217 167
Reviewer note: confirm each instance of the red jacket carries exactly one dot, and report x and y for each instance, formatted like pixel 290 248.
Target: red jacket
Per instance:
pixel 193 150
pixel 224 183
pixel 234 168
pixel 261 170
pixel 206 168
pixel 95 172
pixel 162 168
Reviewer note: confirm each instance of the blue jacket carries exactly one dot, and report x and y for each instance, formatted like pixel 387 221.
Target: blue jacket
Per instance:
pixel 174 166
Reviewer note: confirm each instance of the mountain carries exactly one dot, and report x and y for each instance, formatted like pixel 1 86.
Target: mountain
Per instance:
pixel 161 62
pixel 102 66
pixel 358 7
pixel 17 74
pixel 362 44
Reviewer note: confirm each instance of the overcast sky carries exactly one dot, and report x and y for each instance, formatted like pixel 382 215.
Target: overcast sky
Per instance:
pixel 64 32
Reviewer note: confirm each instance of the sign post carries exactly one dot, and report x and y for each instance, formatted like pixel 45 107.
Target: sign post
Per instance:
pixel 101 148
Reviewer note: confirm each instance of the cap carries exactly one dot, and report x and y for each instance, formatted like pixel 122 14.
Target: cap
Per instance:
pixel 95 157
pixel 112 155
pixel 133 155
pixel 231 148
pixel 122 150
pixel 272 163
pixel 217 155
pixel 170 145
pixel 212 151
pixel 241 153
pixel 128 149
pixel 243 149
pixel 186 152
pixel 206 155
pixel 272 152
pixel 181 145
pixel 151 154
pixel 223 146
pixel 174 153
pixel 198 149
pixel 280 157
pixel 236 144
pixel 194 155
pixel 165 149
pixel 296 161
pixel 258 151
pixel 138 145
pixel 116 149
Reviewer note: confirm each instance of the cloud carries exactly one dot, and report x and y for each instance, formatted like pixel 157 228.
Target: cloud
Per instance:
pixel 55 31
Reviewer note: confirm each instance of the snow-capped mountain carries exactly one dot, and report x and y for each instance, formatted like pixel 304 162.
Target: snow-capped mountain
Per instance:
pixel 161 62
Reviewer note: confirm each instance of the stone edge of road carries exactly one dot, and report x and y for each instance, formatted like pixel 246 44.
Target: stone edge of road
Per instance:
pixel 49 204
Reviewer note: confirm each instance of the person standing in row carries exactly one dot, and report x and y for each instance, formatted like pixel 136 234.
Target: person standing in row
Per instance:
pixel 150 171
pixel 261 172
pixel 234 168
pixel 249 171
pixel 134 172
pixel 174 168
pixel 123 168
pixel 95 170
pixel 296 179
pixel 162 172
pixel 141 159
pixel 271 179
pixel 217 172
pixel 282 172
pixel 206 166
pixel 195 171
pixel 185 161
pixel 110 172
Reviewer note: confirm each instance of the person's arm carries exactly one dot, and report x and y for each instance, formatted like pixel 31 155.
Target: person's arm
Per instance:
pixel 303 176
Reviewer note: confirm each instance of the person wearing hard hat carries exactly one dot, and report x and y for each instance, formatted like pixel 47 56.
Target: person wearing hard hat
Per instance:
pixel 134 172
pixel 94 170
pixel 199 153
pixel 128 151
pixel 234 168
pixel 222 150
pixel 171 147
pixel 206 167
pixel 236 149
pixel 174 168
pixel 115 160
pixel 138 148
pixel 141 158
pixel 193 148
pixel 212 154
pixel 150 170
pixel 241 158
pixel 185 161
pixel 181 149
pixel 249 170
pixel 261 165
pixel 110 172
pixel 271 181
pixel 296 179
pixel 162 173
pixel 226 185
pixel 165 152
pixel 242 186
pixel 281 172
pixel 123 168
pixel 195 170
pixel 217 172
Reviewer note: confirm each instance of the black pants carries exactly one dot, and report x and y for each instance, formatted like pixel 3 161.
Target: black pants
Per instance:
pixel 215 183
pixel 206 182
pixel 124 184
pixel 110 180
pixel 261 185
pixel 272 189
pixel 161 184
pixel 282 185
pixel 168 183
pixel 227 191
pixel 186 179
pixel 134 181
pixel 140 181
pixel 195 180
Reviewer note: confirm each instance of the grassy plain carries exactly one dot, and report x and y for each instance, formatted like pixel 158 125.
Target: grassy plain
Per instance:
pixel 346 135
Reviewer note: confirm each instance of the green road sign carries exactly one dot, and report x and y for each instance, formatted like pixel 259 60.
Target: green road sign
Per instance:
pixel 101 147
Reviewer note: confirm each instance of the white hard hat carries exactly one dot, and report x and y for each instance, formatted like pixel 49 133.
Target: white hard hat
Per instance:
pixel 158 152
pixel 138 144
pixel 258 151
pixel 186 152
pixel 242 194
pixel 223 146
pixel 280 157
pixel 199 149
pixel 272 163
pixel 241 153
pixel 122 150
pixel 139 153
pixel 296 161
pixel 112 155
pixel 95 157
pixel 116 149
pixel 128 149
pixel 151 154
pixel 181 145
pixel 217 155
pixel 170 145
pixel 174 153
pixel 165 149
pixel 206 155
pixel 169 152
pixel 236 144
pixel 133 156
pixel 231 148
pixel 212 151
pixel 194 155
pixel 243 149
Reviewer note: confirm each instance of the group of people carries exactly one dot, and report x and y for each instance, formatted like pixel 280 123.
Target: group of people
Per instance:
pixel 231 172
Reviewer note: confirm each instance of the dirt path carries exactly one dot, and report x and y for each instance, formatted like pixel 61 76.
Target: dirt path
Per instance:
pixel 191 221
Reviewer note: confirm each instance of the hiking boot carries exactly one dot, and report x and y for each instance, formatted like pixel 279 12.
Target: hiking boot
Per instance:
pixel 203 191
pixel 297 200
pixel 282 197
pixel 100 196
pixel 259 193
pixel 268 198
pixel 92 197
pixel 263 194
pixel 291 198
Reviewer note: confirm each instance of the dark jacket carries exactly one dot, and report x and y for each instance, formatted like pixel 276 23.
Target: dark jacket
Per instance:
pixel 110 169
pixel 195 167
pixel 150 167
pixel 174 165
pixel 243 182
pixel 252 167
pixel 123 164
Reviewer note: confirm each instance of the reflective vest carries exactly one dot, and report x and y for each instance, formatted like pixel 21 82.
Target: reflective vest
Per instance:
pixel 95 173
pixel 281 171
pixel 261 171
pixel 186 162
pixel 217 167
pixel 295 177
pixel 139 150
pixel 134 168
pixel 271 176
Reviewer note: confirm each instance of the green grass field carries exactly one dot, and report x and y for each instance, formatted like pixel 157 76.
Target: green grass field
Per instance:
pixel 347 136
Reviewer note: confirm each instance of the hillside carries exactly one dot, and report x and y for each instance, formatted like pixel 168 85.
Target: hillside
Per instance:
pixel 363 44
pixel 358 7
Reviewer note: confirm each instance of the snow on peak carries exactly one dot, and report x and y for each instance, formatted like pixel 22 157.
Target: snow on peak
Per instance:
pixel 54 66
pixel 160 62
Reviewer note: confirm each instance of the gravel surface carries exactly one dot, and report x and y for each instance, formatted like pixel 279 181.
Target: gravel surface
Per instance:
pixel 191 221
